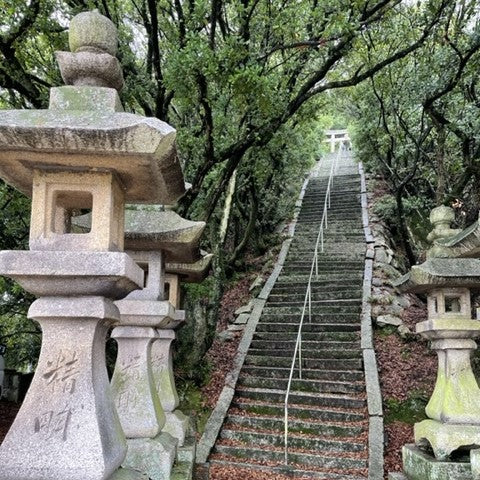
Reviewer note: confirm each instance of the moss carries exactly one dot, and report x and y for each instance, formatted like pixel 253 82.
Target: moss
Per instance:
pixel 411 410
pixel 191 404
pixel 386 331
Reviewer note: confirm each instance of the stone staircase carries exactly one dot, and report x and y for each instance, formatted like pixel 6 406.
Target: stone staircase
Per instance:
pixel 328 419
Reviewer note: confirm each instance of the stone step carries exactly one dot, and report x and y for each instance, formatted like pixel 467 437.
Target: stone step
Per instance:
pixel 310 374
pixel 308 336
pixel 317 308
pixel 345 227
pixel 305 412
pixel 304 385
pixel 350 214
pixel 269 326
pixel 280 469
pixel 346 279
pixel 276 424
pixel 338 293
pixel 327 262
pixel 321 363
pixel 318 345
pixel 337 319
pixel 294 440
pixel 295 279
pixel 317 287
pixel 325 354
pixel 341 254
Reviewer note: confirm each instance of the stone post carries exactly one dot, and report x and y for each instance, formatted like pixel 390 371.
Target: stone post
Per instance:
pixel 81 153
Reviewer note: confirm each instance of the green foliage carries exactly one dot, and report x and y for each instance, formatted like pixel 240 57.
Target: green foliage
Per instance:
pixel 416 123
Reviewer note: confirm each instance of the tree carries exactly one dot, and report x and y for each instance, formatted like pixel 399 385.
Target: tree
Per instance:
pixel 243 82
pixel 417 123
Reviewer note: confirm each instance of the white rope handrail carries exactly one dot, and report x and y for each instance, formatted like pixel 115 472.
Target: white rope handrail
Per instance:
pixel 308 295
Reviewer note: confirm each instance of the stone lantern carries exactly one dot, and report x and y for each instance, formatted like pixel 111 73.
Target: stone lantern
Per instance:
pixel 143 381
pixel 82 153
pixel 452 429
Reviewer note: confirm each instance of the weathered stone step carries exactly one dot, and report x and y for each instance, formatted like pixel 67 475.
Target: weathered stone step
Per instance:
pixel 338 278
pixel 295 426
pixel 294 440
pixel 321 363
pixel 304 412
pixel 318 345
pixel 308 336
pixel 328 240
pixel 317 288
pixel 304 385
pixel 334 214
pixel 276 372
pixel 293 472
pixel 267 325
pixel 310 230
pixel 334 318
pixel 317 308
pixel 295 280
pixel 324 262
pixel 324 354
pixel 333 252
pixel 288 270
pixel 339 293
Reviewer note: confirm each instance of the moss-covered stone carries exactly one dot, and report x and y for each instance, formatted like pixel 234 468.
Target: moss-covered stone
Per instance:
pixel 418 465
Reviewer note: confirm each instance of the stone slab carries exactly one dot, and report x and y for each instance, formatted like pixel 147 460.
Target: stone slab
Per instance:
pixel 141 150
pixel 417 465
pixel 152 456
pixel 148 313
pixel 85 98
pixel 374 396
pixel 375 448
pixel 176 424
pixel 441 272
pixel 44 273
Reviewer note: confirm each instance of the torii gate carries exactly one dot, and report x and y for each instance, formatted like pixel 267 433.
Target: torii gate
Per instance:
pixel 337 136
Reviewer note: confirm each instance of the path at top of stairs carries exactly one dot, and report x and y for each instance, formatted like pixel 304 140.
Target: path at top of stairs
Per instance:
pixel 328 419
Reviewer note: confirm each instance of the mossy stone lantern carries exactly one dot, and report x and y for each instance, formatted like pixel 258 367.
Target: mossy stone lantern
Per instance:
pixel 83 152
pixel 452 429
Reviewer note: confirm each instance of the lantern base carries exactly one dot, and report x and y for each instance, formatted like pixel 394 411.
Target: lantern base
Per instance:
pixel 445 438
pixel 419 465
pixel 152 456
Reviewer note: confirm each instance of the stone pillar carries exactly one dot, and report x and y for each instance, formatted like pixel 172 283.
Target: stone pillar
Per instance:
pixel 173 289
pixel 151 449
pixel 176 423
